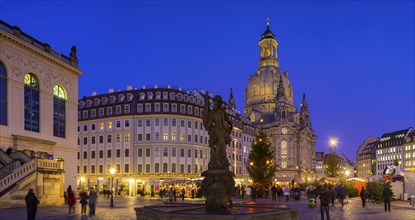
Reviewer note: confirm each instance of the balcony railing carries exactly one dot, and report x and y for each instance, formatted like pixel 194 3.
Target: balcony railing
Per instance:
pixel 42 46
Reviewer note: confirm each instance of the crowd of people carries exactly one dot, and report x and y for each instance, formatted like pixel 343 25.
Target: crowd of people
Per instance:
pixel 325 193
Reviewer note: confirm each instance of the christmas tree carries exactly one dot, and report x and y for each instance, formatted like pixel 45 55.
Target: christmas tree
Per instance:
pixel 261 165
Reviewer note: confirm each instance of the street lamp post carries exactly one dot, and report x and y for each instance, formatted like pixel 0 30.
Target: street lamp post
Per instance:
pixel 112 171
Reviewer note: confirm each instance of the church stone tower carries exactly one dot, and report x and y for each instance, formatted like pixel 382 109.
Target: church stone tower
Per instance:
pixel 270 106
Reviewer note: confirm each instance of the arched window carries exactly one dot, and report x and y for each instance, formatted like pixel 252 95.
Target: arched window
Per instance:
pixel 59 101
pixel 157 168
pixel 284 150
pixel 3 95
pixel 31 103
pixel 173 167
pixel 164 167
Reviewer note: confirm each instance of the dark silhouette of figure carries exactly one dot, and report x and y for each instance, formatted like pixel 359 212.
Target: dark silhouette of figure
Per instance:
pixel 31 204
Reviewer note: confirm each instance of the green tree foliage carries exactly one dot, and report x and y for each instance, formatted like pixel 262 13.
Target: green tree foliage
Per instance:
pixel 375 190
pixel 332 169
pixel 261 165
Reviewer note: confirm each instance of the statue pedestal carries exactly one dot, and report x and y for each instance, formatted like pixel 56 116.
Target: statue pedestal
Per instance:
pixel 198 211
pixel 217 187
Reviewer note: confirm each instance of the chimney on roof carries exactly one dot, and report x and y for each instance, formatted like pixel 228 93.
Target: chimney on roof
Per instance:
pixel 94 93
pixel 111 90
pixel 129 87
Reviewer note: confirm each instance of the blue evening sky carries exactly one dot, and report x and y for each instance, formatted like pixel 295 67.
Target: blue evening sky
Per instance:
pixel 354 60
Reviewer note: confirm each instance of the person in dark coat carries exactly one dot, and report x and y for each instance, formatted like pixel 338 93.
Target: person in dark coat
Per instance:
pixel 84 201
pixel 363 196
pixel 31 204
pixel 274 193
pixel 387 194
pixel 324 202
pixel 253 193
pixel 332 195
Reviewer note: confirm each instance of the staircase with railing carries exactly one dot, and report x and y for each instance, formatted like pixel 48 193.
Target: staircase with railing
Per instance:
pixel 8 181
pixel 18 155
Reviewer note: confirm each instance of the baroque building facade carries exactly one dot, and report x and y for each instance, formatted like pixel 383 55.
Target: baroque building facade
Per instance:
pixel 38 105
pixel 366 158
pixel 152 136
pixel 270 106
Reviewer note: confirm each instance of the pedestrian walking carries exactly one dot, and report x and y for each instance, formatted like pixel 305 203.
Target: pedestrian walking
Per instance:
pixel 280 193
pixel 65 197
pixel 332 195
pixel 363 196
pixel 84 201
pixel 253 193
pixel 324 202
pixel 387 194
pixel 183 193
pixel 286 193
pixel 340 193
pixel 31 204
pixel 411 201
pixel 274 193
pixel 71 202
pixel 93 196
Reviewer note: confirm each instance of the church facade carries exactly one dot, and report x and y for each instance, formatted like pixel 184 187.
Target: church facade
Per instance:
pixel 270 105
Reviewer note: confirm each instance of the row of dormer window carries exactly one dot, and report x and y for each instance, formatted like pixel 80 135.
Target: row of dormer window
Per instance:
pixel 143 96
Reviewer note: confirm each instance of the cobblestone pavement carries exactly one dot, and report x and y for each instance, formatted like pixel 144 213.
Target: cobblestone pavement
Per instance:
pixel 124 210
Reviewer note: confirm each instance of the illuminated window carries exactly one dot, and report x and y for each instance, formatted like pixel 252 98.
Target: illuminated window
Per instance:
pixel 118 137
pixel 165 136
pixel 284 164
pixel 283 149
pixel 256 90
pixel 181 137
pixel 31 103
pixel 59 113
pixel 109 125
pixel 173 136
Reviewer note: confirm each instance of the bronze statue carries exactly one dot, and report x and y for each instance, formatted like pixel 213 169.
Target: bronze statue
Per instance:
pixel 218 184
pixel 219 128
